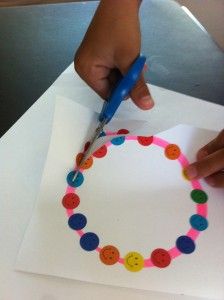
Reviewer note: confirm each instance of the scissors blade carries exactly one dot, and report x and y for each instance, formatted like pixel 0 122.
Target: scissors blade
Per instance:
pixel 97 133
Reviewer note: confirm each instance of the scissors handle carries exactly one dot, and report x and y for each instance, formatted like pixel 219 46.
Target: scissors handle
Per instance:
pixel 122 89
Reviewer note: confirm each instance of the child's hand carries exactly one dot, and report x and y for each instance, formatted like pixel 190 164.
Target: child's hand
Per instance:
pixel 210 163
pixel 111 44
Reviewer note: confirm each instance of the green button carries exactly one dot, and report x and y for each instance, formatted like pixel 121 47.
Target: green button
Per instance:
pixel 199 196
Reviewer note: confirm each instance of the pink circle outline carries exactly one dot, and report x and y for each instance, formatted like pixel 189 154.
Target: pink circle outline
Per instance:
pixel 201 209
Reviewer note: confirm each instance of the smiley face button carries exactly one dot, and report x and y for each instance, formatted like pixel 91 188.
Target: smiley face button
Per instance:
pixel 118 140
pixel 101 152
pixel 172 151
pixel 199 196
pixel 185 244
pixel 70 201
pixel 133 261
pixel 89 241
pixel 86 164
pixel 160 258
pixel 145 140
pixel 198 222
pixel 123 131
pixel 77 221
pixel 78 180
pixel 109 255
pixel 86 147
pixel 102 134
pixel 184 174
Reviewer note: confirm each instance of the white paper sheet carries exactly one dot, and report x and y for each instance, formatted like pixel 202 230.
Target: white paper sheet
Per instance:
pixel 127 200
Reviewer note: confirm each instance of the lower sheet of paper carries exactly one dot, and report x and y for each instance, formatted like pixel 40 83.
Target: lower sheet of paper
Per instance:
pixel 133 198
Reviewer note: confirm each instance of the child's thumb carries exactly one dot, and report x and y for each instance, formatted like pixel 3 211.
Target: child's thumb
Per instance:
pixel 141 96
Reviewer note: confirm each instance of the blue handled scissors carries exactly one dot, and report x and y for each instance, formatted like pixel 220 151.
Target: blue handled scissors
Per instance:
pixel 122 89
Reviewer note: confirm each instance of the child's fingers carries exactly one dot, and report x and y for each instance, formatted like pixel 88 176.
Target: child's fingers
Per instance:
pixel 95 76
pixel 145 68
pixel 207 166
pixel 141 95
pixel 216 180
pixel 100 85
pixel 211 147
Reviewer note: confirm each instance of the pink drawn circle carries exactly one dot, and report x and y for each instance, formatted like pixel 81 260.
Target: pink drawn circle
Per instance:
pixel 201 208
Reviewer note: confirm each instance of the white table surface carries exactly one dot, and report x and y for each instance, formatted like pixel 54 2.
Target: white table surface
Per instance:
pixel 23 151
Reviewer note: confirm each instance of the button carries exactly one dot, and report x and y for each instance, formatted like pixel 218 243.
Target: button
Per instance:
pixel 77 182
pixel 101 152
pixel 123 131
pixel 77 221
pixel 185 244
pixel 118 140
pixel 145 140
pixel 86 164
pixel 199 196
pixel 109 255
pixel 160 258
pixel 172 151
pixel 70 201
pixel 185 174
pixel 198 222
pixel 133 261
pixel 87 144
pixel 89 241
pixel 102 134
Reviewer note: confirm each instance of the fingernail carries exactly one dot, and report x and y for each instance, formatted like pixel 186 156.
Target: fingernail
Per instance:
pixel 202 154
pixel 147 99
pixel 190 172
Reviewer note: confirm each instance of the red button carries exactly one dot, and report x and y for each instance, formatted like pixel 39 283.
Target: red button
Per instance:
pixel 86 146
pixel 160 258
pixel 70 201
pixel 101 152
pixel 123 131
pixel 145 140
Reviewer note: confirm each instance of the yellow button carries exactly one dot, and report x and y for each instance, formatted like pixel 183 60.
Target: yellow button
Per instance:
pixel 185 175
pixel 133 261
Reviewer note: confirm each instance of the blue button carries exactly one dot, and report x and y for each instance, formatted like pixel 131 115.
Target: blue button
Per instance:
pixel 89 241
pixel 77 182
pixel 185 244
pixel 102 134
pixel 77 221
pixel 198 222
pixel 118 140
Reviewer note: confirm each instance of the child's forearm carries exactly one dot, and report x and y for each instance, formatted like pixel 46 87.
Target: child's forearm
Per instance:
pixel 129 5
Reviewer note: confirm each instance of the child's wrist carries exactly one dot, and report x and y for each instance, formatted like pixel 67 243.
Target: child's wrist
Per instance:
pixel 130 6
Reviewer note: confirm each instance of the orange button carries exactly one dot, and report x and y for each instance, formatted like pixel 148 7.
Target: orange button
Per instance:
pixel 172 151
pixel 109 255
pixel 86 164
